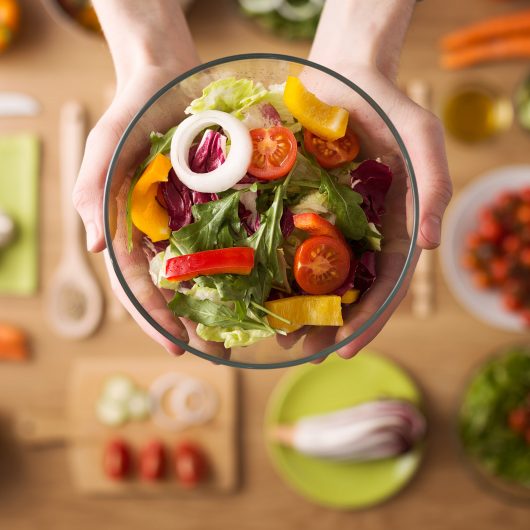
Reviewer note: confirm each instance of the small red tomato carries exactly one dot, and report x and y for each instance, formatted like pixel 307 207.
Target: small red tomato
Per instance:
pixel 474 240
pixel 116 459
pixel 470 261
pixel 525 256
pixel 523 214
pixel 331 154
pixel 481 279
pixel 518 420
pixel 511 302
pixel 525 195
pixel 491 230
pixel 191 464
pixel 499 269
pixel 511 244
pixel 152 461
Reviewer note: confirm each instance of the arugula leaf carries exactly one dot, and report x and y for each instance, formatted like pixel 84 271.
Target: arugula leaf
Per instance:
pixel 345 204
pixel 216 225
pixel 160 144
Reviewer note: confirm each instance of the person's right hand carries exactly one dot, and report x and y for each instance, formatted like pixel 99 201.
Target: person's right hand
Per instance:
pixel 150 45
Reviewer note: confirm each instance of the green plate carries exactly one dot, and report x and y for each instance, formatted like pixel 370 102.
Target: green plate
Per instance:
pixel 335 384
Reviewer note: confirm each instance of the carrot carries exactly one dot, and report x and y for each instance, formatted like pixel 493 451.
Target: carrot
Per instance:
pixel 509 48
pixel 13 345
pixel 491 28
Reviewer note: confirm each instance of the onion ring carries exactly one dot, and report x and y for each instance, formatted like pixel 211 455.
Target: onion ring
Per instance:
pixel 234 167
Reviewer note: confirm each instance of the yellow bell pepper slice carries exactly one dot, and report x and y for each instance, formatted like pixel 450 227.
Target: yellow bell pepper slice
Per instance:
pixel 146 213
pixel 321 119
pixel 305 310
pixel 350 296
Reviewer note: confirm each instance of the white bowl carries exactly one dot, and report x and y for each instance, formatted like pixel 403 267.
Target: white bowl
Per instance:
pixel 462 218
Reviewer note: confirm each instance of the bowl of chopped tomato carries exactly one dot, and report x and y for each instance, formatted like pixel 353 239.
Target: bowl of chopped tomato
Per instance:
pixel 486 249
pixel 257 200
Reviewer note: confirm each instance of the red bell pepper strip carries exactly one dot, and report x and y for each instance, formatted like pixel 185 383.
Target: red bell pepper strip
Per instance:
pixel 235 260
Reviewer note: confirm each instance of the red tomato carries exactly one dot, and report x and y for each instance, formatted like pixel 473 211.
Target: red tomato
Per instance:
pixel 518 420
pixel 490 229
pixel 499 269
pixel 523 214
pixel 332 154
pixel 525 256
pixel 511 244
pixel 152 460
pixel 511 302
pixel 191 464
pixel 116 459
pixel 321 264
pixel 315 225
pixel 470 261
pixel 274 152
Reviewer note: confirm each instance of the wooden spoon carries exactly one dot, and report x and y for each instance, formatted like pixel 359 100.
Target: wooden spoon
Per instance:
pixel 75 299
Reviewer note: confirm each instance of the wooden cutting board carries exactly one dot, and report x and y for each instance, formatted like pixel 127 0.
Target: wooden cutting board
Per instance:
pixel 86 436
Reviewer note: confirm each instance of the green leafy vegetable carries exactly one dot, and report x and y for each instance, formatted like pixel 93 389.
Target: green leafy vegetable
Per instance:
pixel 501 385
pixel 228 95
pixel 233 336
pixel 345 204
pixel 216 226
pixel 160 144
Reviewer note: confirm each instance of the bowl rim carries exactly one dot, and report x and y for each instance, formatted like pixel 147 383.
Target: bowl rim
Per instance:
pixel 414 199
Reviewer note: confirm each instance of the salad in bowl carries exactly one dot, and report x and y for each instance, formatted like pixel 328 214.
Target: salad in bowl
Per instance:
pixel 260 211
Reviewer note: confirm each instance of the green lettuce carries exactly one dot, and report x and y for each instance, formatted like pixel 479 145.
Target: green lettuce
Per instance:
pixel 234 336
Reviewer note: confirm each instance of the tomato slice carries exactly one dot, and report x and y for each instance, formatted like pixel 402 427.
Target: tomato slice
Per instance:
pixel 116 459
pixel 235 260
pixel 152 461
pixel 314 224
pixel 191 465
pixel 321 264
pixel 332 154
pixel 274 152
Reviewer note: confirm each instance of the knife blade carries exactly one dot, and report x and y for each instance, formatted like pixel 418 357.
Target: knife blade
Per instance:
pixel 18 104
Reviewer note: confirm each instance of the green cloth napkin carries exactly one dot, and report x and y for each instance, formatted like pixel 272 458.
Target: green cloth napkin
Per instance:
pixel 19 170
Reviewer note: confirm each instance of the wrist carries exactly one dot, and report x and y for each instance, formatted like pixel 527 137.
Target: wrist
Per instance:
pixel 362 33
pixel 146 34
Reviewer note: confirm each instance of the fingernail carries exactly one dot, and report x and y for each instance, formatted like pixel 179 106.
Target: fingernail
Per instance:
pixel 91 236
pixel 431 229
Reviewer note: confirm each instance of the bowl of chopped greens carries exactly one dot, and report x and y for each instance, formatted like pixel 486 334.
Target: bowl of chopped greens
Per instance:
pixel 494 423
pixel 267 203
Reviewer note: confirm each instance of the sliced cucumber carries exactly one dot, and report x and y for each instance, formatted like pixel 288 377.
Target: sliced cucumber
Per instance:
pixel 111 412
pixel 139 406
pixel 118 388
pixel 302 11
pixel 260 6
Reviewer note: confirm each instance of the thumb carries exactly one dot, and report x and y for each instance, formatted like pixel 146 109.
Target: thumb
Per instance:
pixel 427 152
pixel 88 191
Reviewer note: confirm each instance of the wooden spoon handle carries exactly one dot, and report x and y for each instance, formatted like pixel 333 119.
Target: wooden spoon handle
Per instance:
pixel 72 142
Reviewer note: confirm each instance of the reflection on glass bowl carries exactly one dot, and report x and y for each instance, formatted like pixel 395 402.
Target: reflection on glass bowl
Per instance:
pixel 378 139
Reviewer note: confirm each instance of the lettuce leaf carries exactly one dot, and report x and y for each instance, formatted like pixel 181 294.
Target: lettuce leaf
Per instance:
pixel 233 336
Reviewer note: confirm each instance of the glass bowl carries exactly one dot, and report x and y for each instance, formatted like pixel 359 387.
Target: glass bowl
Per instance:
pixel 378 138
pixel 481 404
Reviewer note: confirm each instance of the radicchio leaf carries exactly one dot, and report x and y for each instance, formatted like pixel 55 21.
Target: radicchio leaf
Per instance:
pixel 249 220
pixel 178 201
pixel 209 154
pixel 372 180
pixel 361 276
pixel 287 223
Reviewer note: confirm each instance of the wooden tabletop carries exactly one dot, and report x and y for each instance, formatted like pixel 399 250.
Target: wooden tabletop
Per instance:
pixel 54 65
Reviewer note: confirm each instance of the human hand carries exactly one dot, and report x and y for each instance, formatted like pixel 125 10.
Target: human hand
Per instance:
pixel 150 45
pixel 373 68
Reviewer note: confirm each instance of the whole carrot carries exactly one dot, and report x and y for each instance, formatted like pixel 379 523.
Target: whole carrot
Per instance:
pixel 491 28
pixel 498 50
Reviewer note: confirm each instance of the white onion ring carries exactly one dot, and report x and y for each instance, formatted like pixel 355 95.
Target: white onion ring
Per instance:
pixel 180 388
pixel 205 395
pixel 227 174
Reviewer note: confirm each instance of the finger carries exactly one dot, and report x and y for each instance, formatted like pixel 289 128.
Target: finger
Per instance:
pixel 215 349
pixel 157 311
pixel 357 315
pixel 289 340
pixel 427 152
pixel 88 191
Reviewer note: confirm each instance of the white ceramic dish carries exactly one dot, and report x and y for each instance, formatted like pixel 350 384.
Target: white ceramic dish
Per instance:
pixel 461 219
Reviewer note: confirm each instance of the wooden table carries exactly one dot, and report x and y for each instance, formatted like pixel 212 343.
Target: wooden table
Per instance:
pixel 35 488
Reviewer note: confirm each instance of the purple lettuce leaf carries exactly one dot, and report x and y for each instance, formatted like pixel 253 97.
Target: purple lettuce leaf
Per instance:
pixel 178 201
pixel 287 223
pixel 249 220
pixel 209 154
pixel 372 181
pixel 361 275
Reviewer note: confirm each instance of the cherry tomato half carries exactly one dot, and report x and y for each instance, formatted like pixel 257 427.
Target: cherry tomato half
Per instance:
pixel 321 264
pixel 191 464
pixel 332 154
pixel 116 459
pixel 273 152
pixel 152 460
